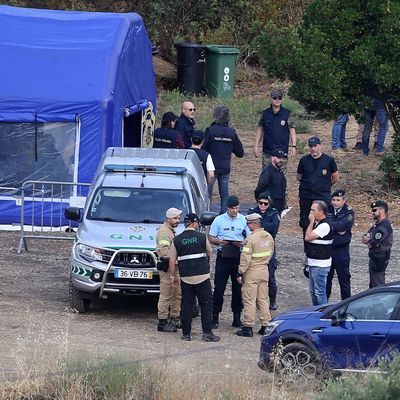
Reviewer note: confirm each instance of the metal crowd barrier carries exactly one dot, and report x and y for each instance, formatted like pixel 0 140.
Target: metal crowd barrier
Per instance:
pixel 42 210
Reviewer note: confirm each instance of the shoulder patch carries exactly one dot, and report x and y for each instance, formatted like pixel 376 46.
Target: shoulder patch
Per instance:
pixel 378 235
pixel 350 217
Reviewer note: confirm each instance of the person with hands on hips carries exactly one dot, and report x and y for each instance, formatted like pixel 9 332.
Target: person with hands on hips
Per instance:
pixel 379 239
pixel 253 275
pixel 228 232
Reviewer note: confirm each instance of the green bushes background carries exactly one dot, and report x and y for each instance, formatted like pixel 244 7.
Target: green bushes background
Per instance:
pixel 234 22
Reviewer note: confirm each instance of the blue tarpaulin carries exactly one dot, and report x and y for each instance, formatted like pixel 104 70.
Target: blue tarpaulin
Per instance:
pixel 67 81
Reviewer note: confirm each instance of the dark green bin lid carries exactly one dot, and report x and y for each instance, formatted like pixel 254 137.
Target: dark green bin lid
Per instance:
pixel 222 49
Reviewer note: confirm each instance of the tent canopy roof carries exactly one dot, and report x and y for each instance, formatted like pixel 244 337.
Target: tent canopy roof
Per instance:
pixel 61 55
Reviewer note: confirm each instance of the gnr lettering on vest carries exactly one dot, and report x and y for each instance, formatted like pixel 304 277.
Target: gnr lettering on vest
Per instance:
pixel 189 240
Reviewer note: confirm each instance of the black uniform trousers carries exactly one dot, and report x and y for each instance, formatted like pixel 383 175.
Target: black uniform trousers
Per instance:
pixel 204 294
pixel 377 270
pixel 224 268
pixel 272 287
pixel 340 264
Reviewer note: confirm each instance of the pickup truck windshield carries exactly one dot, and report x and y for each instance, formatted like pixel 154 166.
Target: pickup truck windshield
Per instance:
pixel 136 204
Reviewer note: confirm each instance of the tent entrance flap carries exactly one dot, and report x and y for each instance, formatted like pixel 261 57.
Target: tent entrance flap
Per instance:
pixel 138 125
pixel 37 151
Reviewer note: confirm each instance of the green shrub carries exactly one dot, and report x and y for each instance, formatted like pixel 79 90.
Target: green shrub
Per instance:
pixel 383 386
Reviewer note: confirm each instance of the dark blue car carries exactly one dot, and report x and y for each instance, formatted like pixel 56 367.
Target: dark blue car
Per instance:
pixel 353 334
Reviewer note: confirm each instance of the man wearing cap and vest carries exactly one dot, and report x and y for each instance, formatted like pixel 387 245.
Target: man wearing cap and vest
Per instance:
pixel 319 239
pixel 253 275
pixel 228 232
pixel 167 137
pixel 270 221
pixel 169 303
pixel 276 130
pixel 204 157
pixel 272 180
pixel 379 239
pixel 316 172
pixel 192 251
pixel 341 219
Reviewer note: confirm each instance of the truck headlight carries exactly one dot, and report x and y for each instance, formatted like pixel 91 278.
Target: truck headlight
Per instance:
pixel 89 253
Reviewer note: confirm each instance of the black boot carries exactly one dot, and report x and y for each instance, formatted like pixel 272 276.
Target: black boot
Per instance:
pixel 237 323
pixel 262 330
pixel 245 331
pixel 215 321
pixel 272 305
pixel 176 322
pixel 165 326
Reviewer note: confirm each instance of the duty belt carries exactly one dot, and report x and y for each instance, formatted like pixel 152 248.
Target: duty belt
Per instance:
pixel 192 256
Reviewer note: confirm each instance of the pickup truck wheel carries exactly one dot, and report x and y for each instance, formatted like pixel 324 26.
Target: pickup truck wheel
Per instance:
pixel 76 302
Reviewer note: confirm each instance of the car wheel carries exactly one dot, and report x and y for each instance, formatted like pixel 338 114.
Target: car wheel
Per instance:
pixel 76 302
pixel 296 362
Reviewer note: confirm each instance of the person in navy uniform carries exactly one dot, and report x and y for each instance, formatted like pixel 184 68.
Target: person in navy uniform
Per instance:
pixel 228 231
pixel 270 220
pixel 186 122
pixel 341 219
pixel 221 141
pixel 379 239
pixel 273 180
pixel 167 137
pixel 316 172
pixel 275 130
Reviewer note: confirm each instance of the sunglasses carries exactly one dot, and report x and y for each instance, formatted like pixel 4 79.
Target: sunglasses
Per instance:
pixel 276 97
pixel 263 203
pixel 191 109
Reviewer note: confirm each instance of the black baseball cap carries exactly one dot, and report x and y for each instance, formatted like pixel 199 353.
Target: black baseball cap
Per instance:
pixel 190 218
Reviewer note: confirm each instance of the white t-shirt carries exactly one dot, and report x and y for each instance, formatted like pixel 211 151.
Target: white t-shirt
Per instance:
pixel 321 230
pixel 210 164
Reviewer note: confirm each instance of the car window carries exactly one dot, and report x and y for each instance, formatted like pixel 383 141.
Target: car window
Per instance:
pixel 136 204
pixel 196 194
pixel 377 306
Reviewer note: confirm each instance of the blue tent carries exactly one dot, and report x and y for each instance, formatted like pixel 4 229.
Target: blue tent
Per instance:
pixel 72 84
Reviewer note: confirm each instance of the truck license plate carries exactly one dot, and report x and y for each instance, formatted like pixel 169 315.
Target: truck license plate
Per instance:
pixel 132 274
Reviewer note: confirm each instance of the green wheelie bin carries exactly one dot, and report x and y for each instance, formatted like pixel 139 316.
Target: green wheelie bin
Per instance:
pixel 220 70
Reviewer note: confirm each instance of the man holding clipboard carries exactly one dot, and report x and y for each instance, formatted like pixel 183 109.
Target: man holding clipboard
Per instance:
pixel 228 231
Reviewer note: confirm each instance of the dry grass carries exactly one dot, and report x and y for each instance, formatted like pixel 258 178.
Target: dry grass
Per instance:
pixel 108 378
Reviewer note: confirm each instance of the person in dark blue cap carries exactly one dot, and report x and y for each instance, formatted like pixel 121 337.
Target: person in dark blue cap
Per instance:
pixel 379 239
pixel 272 179
pixel 204 157
pixel 270 221
pixel 341 219
pixel 167 137
pixel 275 129
pixel 228 231
pixel 316 172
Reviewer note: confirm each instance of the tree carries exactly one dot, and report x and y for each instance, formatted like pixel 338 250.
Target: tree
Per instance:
pixel 343 54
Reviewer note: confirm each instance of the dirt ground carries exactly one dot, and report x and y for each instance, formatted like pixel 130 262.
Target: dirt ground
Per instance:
pixel 37 328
